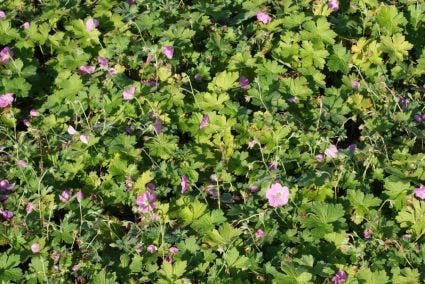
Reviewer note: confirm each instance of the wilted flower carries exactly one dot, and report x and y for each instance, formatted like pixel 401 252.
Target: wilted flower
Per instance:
pixel 6 215
pixel 173 250
pixel 252 143
pixel 339 277
pixel 403 102
pixel 420 192
pixel 112 71
pixel 26 25
pixel 146 202
pixel 273 165
pixel 5 55
pixel 65 196
pixel 277 195
pixel 263 17
pixel 151 186
pixel 33 112
pixel 103 62
pixel 204 121
pixel 148 59
pixel 131 2
pixel 418 118
pixel 355 85
pixel 2 15
pixel 184 183
pixel 26 122
pixel 333 5
pixel 71 130
pixel 151 248
pixel 128 94
pixel 331 151
pixel 35 247
pixel 367 233
pixel 168 51
pixel 86 69
pixel 79 196
pixel 352 148
pixel 56 256
pixel 158 126
pixel 29 208
pixel 6 100
pixel 244 82
pixel 5 186
pixel 292 100
pixel 168 259
pixel 198 77
pixel 91 24
pixel 213 178
pixel 253 188
pixel 129 185
pixel 84 139
pixel 259 233
pixel 75 267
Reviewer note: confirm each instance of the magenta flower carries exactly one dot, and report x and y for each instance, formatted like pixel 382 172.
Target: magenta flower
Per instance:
pixel 168 259
pixel 84 139
pixel 339 277
pixel 151 248
pixel 6 186
pixel 146 202
pixel 158 126
pixel 71 130
pixel 6 100
pixel 151 186
pixel 128 94
pixel 333 5
pixel 86 69
pixel 259 233
pixel 277 195
pixel 244 82
pixel 129 185
pixel 263 17
pixel 420 192
pixel 173 250
pixel 2 15
pixel 29 208
pixel 331 152
pixel 35 247
pixel 355 85
pixel 33 112
pixel 26 25
pixel 5 55
pixel 6 215
pixel 367 233
pixel 168 51
pixel 184 183
pixel 65 196
pixel 198 77
pixel 103 62
pixel 91 24
pixel 79 196
pixel 204 121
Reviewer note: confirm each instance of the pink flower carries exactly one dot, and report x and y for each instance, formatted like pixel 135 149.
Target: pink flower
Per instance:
pixel 252 143
pixel 35 248
pixel 168 259
pixel 355 84
pixel 112 71
pixel 86 69
pixel 151 248
pixel 259 233
pixel 168 51
pixel 29 208
pixel 320 158
pixel 339 277
pixel 56 256
pixel 184 183
pixel 6 215
pixel 158 126
pixel 253 188
pixel 173 250
pixel 84 139
pixel 6 186
pixel 128 94
pixel 273 165
pixel 21 163
pixel 103 62
pixel 333 5
pixel 204 121
pixel 71 130
pixel 26 25
pixel 65 196
pixel 146 202
pixel 91 24
pixel 79 196
pixel 277 195
pixel 244 82
pixel 6 100
pixel 2 15
pixel 263 17
pixel 75 268
pixel 367 233
pixel 331 151
pixel 420 192
pixel 5 55
pixel 129 185
pixel 33 112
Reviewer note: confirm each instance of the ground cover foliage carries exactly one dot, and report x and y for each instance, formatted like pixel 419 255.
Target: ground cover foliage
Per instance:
pixel 227 141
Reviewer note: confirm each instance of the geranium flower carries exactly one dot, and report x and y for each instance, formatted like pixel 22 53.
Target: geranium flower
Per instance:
pixel 79 196
pixel 103 62
pixel 84 139
pixel 333 5
pixel 26 25
pixel 339 277
pixel 5 186
pixel 6 215
pixel 71 130
pixel 91 24
pixel 168 51
pixel 173 250
pixel 5 55
pixel 158 126
pixel 152 248
pixel 367 233
pixel 2 15
pixel 244 82
pixel 168 259
pixel 263 17
pixel 56 256
pixel 6 100
pixel 277 195
pixel 35 247
pixel 184 183
pixel 86 69
pixel 331 151
pixel 420 192
pixel 29 208
pixel 292 100
pixel 65 196
pixel 198 77
pixel 128 94
pixel 204 121
pixel 33 112
pixel 355 85
pixel 146 202
pixel 259 233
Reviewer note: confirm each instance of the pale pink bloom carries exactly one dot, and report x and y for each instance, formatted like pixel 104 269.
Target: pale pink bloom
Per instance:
pixel 112 71
pixel 333 5
pixel 252 143
pixel 184 183
pixel 26 25
pixel 367 233
pixel 168 51
pixel 277 195
pixel 71 130
pixel 86 69
pixel 148 59
pixel 21 163
pixel 129 185
pixel 65 196
pixel 420 192
pixel 6 100
pixel 56 256
pixel 204 121
pixel 259 233
pixel 154 217
pixel 2 15
pixel 91 24
pixel 331 151
pixel 84 139
pixel 29 208
pixel 263 17
pixel 103 62
pixel 253 188
pixel 5 55
pixel 75 268
pixel 79 196
pixel 128 94
pixel 146 202
pixel 35 248
pixel 26 122
pixel 33 112
pixel 213 178
pixel 151 248
pixel 320 158
pixel 173 250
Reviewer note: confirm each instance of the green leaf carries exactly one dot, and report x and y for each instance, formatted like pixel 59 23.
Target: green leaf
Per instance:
pixel 412 217
pixel 389 19
pixel 224 81
pixel 405 276
pixel 366 276
pixel 361 204
pixel 339 59
pixel 321 218
pixel 396 191
pixel 232 259
pixel 318 32
pixel 396 47
pixel 312 56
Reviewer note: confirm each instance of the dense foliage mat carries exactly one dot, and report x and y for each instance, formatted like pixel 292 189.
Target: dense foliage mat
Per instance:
pixel 225 141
